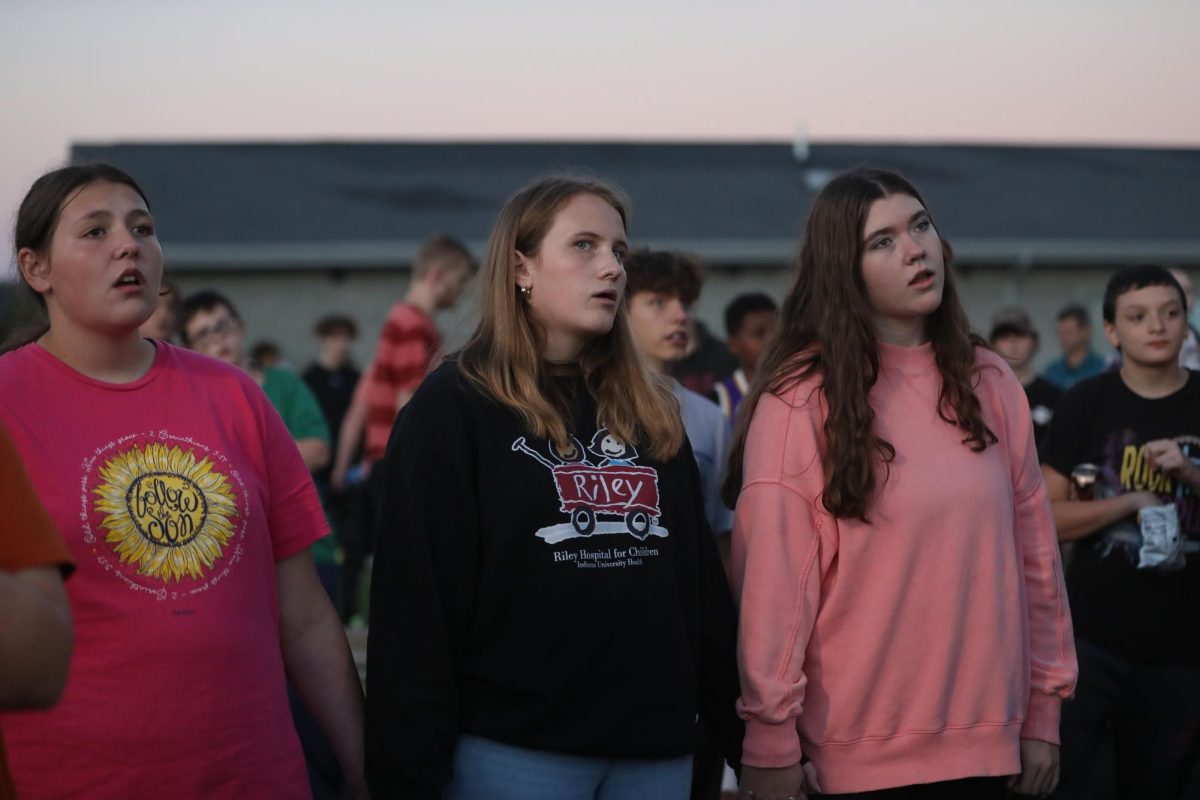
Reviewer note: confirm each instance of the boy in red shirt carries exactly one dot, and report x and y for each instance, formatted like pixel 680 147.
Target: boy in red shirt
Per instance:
pixel 408 345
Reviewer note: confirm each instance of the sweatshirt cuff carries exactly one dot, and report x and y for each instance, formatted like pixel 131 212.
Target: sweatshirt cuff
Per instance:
pixel 1041 718
pixel 771 745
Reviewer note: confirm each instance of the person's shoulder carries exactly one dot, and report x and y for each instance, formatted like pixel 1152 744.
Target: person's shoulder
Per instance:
pixel 701 410
pixel 1101 387
pixel 1104 381
pixel 698 401
pixel 445 384
pixel 798 391
pixel 445 397
pixel 795 399
pixel 1044 388
pixel 406 315
pixel 989 360
pixel 180 357
pixel 407 323
pixel 1057 363
pixel 196 367
pixel 284 378
pixel 1192 387
pixel 997 379
pixel 16 363
pixel 1056 367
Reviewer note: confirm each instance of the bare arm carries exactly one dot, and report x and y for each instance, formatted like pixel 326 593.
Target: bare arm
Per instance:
pixel 1076 519
pixel 35 637
pixel 318 661
pixel 349 439
pixel 314 451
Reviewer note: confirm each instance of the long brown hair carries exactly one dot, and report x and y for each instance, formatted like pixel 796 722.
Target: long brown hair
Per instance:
pixel 503 357
pixel 826 328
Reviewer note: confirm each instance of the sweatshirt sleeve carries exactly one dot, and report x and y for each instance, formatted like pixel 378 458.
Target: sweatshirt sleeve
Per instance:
pixel 777 563
pixel 422 592
pixel 1051 640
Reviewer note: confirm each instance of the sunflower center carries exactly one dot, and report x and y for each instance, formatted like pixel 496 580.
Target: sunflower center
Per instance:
pixel 168 510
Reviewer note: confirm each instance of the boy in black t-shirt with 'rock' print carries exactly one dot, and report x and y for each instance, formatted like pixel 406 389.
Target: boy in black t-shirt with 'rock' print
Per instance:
pixel 1134 575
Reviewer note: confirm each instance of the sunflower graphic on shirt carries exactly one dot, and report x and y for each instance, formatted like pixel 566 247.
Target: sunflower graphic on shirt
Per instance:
pixel 166 512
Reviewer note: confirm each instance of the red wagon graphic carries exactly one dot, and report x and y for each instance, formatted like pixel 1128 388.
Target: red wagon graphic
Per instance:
pixel 624 491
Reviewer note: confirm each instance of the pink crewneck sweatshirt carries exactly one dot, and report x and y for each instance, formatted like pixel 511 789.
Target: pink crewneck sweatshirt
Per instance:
pixel 920 647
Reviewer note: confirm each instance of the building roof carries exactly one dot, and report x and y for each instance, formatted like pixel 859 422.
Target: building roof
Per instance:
pixel 369 204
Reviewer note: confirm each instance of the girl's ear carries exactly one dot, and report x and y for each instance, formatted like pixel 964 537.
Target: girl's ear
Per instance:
pixel 521 274
pixel 35 270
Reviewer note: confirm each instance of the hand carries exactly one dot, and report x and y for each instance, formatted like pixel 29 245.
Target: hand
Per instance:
pixel 1164 454
pixel 1039 769
pixel 776 783
pixel 337 478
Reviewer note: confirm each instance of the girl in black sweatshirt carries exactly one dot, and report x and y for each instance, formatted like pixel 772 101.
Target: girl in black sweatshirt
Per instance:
pixel 549 613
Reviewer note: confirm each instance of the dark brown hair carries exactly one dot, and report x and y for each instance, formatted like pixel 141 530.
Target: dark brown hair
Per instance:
pixel 1129 279
pixel 826 329
pixel 663 272
pixel 37 219
pixel 202 302
pixel 333 324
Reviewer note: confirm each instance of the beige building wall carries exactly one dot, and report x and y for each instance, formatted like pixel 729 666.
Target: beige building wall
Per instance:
pixel 284 306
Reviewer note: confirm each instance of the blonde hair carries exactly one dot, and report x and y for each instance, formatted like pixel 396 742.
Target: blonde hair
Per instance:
pixel 503 357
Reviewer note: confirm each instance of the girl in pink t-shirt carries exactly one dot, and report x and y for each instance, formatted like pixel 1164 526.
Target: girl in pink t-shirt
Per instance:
pixel 189 514
pixel 904 626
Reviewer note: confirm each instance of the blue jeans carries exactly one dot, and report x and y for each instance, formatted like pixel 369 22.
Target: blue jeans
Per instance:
pixel 488 770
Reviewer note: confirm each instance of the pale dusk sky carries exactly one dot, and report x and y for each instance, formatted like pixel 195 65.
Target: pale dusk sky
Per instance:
pixel 1055 71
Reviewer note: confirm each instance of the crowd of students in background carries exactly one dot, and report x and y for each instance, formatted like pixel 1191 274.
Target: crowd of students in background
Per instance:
pixel 542 528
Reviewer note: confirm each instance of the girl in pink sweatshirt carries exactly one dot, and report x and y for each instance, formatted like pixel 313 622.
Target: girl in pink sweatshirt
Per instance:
pixel 904 626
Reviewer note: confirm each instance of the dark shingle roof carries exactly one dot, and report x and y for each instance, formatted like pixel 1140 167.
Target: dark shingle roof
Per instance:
pixel 370 204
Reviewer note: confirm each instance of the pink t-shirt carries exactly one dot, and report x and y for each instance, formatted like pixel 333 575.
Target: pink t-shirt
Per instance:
pixel 176 494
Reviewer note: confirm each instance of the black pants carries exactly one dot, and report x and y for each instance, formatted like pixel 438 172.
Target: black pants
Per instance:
pixel 1148 715
pixel 966 789
pixel 708 765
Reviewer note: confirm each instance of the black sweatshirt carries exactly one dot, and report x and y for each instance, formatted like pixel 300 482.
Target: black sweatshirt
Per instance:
pixel 571 603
